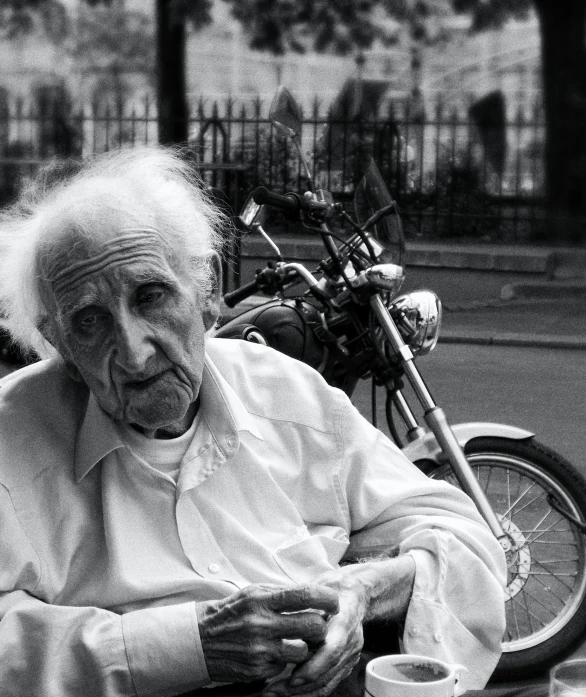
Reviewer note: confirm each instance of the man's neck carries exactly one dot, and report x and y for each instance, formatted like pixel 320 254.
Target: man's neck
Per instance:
pixel 174 430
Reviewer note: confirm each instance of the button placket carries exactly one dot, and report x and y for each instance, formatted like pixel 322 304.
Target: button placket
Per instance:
pixel 199 545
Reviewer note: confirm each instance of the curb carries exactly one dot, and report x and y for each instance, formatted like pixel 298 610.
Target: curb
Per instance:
pixel 513 339
pixel 543 290
pixel 501 258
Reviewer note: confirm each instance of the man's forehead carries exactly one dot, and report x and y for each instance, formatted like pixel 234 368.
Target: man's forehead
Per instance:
pixel 142 252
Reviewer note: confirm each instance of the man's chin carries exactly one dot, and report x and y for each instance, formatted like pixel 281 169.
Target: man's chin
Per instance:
pixel 158 411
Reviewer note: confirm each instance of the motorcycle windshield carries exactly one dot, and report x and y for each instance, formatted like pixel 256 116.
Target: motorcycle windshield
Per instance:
pixel 371 196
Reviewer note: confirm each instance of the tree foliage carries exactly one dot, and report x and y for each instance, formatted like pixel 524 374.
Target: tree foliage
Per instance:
pixel 18 17
pixel 113 38
pixel 492 14
pixel 341 26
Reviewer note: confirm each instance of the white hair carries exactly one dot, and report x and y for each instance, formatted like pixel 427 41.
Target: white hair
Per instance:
pixel 146 188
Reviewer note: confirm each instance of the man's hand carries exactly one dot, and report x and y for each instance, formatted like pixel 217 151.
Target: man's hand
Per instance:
pixel 374 590
pixel 250 635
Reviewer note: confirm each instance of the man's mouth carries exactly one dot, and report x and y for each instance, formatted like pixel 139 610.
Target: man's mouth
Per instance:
pixel 146 382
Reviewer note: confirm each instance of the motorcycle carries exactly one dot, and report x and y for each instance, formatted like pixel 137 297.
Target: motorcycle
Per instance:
pixel 348 321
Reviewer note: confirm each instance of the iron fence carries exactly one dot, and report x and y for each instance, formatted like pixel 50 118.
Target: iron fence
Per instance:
pixel 451 176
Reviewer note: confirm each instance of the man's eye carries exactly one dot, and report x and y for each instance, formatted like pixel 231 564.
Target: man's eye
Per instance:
pixel 88 321
pixel 147 296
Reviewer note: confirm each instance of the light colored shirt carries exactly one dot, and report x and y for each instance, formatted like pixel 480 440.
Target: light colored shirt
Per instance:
pixel 164 454
pixel 103 557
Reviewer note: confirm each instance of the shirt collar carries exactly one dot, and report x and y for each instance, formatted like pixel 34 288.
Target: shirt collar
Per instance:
pixel 97 436
pixel 224 412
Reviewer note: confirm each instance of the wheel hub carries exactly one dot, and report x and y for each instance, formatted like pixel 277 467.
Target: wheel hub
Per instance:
pixel 518 558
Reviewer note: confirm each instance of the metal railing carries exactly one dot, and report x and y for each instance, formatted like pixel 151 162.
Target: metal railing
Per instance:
pixel 450 178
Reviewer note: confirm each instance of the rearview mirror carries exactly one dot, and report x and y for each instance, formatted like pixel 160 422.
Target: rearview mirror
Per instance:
pixel 285 114
pixel 251 214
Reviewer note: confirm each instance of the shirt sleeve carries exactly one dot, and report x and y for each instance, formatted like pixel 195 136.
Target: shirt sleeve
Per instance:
pixel 48 649
pixel 456 612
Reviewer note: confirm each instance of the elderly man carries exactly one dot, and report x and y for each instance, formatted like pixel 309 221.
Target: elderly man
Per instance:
pixel 175 510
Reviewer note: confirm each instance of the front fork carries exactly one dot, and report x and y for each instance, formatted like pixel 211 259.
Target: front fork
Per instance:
pixel 437 422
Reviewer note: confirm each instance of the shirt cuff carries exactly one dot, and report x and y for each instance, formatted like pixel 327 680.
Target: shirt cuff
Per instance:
pixel 164 651
pixel 432 630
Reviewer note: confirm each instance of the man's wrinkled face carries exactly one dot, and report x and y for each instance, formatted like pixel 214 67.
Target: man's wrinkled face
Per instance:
pixel 131 320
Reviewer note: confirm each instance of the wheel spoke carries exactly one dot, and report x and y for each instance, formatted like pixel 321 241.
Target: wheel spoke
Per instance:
pixel 487 485
pixel 548 573
pixel 557 543
pixel 510 505
pixel 556 575
pixel 530 614
pixel 543 593
pixel 534 598
pixel 550 590
pixel 529 540
pixel 513 609
pixel 559 561
pixel 527 504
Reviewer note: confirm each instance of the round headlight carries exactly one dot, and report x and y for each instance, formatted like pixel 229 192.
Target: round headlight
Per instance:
pixel 418 316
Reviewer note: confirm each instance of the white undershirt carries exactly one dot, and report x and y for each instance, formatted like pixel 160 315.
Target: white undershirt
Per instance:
pixel 163 454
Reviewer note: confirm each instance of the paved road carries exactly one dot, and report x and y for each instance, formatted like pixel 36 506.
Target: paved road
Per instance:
pixel 542 390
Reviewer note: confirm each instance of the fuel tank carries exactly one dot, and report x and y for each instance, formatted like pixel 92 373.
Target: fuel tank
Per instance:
pixel 286 325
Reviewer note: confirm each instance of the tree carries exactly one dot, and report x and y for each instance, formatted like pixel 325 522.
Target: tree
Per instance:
pixel 563 54
pixel 171 16
pixel 340 25
pixel 112 42
pixel 18 17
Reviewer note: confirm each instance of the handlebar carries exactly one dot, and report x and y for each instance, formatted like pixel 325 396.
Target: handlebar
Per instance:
pixel 237 296
pixel 289 203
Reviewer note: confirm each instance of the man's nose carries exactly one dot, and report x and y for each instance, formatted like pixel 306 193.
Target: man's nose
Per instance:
pixel 134 345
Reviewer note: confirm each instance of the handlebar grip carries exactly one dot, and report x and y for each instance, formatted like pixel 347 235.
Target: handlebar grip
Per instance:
pixel 288 203
pixel 237 296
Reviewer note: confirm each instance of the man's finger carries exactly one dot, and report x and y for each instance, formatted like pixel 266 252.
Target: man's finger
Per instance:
pixel 309 626
pixel 293 651
pixel 309 597
pixel 326 684
pixel 342 647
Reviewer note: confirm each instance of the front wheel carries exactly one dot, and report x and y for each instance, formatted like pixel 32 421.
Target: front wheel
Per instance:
pixel 527 485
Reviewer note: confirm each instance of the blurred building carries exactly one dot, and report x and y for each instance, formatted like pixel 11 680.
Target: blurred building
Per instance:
pixel 460 68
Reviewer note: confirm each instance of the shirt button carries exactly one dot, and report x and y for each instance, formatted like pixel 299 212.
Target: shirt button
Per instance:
pixel 413 631
pixel 230 442
pixel 439 637
pixel 213 568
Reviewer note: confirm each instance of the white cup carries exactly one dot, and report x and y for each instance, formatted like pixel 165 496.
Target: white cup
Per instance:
pixel 408 675
pixel 568 679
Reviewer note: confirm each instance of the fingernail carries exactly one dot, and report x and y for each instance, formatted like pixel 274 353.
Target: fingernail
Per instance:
pixel 297 682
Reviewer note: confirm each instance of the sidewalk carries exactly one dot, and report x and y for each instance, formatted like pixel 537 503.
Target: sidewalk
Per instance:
pixel 545 323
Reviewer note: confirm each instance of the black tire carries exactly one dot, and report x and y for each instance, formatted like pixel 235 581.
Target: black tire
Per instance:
pixel 546 589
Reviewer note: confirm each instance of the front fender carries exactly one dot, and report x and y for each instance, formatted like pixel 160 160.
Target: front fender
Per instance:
pixel 427 448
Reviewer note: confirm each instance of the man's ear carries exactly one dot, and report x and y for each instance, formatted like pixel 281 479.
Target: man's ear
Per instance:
pixel 211 309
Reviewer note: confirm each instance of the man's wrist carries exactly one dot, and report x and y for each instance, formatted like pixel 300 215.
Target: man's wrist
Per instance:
pixel 384 585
